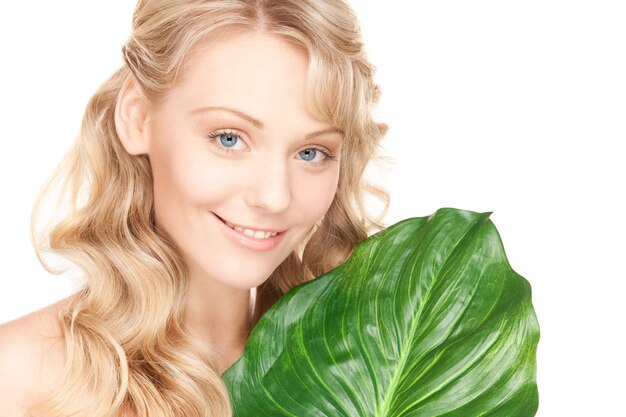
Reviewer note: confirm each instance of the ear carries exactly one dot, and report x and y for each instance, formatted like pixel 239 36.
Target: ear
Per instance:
pixel 131 117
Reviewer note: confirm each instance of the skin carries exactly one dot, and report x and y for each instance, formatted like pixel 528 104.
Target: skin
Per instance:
pixel 273 176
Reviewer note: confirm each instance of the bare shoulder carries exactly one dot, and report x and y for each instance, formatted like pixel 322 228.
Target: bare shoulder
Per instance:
pixel 32 357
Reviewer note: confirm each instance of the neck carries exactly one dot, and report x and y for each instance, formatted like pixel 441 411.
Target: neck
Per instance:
pixel 217 316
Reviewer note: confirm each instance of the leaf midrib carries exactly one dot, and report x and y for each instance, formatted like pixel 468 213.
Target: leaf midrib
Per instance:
pixel 384 408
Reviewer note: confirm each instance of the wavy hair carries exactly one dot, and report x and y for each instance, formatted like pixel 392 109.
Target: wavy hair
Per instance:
pixel 126 344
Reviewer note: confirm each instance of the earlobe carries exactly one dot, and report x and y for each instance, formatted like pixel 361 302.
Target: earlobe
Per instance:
pixel 130 118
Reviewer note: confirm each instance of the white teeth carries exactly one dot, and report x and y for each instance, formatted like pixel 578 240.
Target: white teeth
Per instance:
pixel 257 234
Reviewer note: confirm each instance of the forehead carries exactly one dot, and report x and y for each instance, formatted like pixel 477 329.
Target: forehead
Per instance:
pixel 245 66
pixel 233 49
pixel 259 73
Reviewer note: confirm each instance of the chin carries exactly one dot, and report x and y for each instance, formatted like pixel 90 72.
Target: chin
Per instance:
pixel 245 281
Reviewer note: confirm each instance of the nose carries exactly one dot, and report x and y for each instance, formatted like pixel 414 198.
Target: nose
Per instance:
pixel 269 186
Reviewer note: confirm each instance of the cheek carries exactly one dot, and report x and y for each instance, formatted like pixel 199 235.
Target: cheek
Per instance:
pixel 191 176
pixel 314 194
pixel 186 187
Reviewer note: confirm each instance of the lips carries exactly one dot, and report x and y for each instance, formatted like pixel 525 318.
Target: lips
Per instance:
pixel 253 232
pixel 248 239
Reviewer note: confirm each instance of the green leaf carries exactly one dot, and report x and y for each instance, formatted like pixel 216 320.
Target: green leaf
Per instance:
pixel 425 319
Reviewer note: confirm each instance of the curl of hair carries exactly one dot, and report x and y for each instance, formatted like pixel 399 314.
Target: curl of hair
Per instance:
pixel 126 345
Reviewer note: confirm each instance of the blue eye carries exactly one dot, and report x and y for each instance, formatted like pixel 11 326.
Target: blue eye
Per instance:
pixel 308 154
pixel 228 139
pixel 316 155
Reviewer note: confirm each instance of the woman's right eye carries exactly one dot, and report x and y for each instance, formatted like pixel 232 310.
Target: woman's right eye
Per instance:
pixel 227 141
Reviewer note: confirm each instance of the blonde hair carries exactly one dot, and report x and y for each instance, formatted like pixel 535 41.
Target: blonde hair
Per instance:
pixel 124 331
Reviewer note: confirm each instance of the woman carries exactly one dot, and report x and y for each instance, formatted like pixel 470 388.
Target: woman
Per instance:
pixel 219 168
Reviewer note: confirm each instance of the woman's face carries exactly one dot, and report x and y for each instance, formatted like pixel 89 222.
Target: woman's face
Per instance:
pixel 237 158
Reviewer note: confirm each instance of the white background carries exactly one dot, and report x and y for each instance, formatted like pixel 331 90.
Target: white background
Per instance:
pixel 512 107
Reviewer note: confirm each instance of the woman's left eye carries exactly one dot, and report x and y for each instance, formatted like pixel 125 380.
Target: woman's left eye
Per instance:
pixel 315 155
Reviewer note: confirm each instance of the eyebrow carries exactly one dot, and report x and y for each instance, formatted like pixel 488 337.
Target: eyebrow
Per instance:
pixel 258 123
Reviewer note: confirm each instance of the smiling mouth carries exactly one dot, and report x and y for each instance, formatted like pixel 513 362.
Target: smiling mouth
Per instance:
pixel 253 233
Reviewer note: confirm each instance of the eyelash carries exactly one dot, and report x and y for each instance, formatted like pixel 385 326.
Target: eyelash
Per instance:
pixel 216 134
